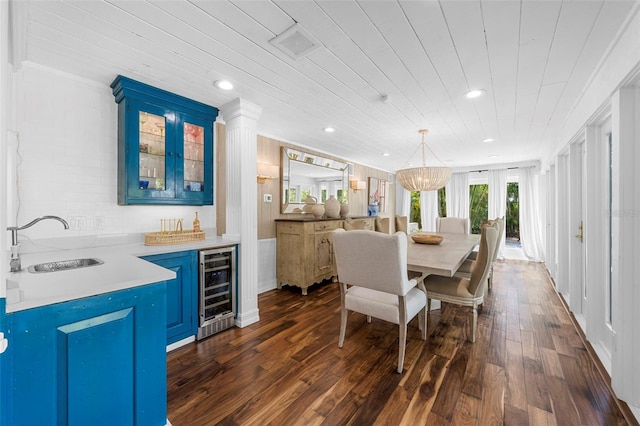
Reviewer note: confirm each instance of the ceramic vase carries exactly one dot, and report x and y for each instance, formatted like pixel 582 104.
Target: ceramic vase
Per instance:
pixel 318 211
pixel 344 209
pixel 309 202
pixel 332 208
pixel 372 210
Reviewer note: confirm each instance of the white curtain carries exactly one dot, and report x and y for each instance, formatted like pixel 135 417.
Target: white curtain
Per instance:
pixel 530 229
pixel 428 210
pixel 497 203
pixel 457 195
pixel 403 200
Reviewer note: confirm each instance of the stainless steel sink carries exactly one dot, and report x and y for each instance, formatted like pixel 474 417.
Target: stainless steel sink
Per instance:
pixel 64 265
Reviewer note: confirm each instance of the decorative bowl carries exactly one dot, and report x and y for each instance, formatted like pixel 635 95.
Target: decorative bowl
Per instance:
pixel 427 239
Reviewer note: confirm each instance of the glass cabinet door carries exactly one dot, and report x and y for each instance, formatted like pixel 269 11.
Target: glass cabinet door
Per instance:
pixel 152 149
pixel 193 157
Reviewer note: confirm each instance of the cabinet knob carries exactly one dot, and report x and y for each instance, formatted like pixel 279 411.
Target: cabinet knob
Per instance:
pixel 170 154
pixel 179 155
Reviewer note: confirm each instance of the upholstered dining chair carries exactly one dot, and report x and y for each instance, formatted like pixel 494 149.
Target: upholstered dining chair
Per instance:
pixel 455 225
pixel 382 224
pixel 401 224
pixel 466 291
pixel 372 272
pixel 464 271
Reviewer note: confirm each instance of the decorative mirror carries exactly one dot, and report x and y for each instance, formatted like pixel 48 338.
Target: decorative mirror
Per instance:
pixel 308 177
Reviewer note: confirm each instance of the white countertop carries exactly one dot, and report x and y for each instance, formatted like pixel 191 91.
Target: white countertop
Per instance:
pixel 122 269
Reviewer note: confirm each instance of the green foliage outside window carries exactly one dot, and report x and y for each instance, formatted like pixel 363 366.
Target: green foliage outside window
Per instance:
pixel 442 202
pixel 512 220
pixel 414 214
pixel 414 210
pixel 478 206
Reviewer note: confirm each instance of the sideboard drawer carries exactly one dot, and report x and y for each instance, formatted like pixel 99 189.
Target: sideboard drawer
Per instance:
pixel 327 226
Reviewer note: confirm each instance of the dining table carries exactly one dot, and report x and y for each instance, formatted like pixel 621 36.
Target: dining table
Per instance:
pixel 440 259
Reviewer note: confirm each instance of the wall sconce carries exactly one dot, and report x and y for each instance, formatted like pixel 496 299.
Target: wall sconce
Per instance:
pixel 357 184
pixel 267 172
pixel 263 179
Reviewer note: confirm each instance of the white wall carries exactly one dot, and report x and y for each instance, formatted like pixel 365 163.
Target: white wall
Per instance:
pixel 4 118
pixel 614 88
pixel 67 160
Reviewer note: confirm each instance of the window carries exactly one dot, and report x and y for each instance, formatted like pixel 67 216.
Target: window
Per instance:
pixel 478 206
pixel 512 218
pixel 414 209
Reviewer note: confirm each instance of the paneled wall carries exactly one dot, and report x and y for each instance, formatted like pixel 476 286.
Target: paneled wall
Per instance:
pixel 269 151
pixel 269 161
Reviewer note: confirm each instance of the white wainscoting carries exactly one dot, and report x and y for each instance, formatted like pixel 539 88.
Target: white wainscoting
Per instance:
pixel 266 265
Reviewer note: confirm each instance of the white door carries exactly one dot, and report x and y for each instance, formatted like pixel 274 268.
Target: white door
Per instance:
pixel 577 294
pixel 598 240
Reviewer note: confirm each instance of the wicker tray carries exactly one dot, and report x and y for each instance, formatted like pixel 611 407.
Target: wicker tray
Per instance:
pixel 427 239
pixel 174 237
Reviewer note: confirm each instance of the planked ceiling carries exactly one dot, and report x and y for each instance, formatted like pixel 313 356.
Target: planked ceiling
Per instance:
pixel 533 58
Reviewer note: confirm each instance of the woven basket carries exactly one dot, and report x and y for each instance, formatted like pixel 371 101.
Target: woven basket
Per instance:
pixel 427 239
pixel 173 237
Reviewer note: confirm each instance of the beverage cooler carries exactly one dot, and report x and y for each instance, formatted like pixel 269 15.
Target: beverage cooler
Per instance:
pixel 217 290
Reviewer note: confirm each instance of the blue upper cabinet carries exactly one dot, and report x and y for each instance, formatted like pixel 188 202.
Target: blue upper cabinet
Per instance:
pixel 165 146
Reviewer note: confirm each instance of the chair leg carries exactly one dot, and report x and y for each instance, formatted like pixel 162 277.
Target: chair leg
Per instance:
pixel 369 319
pixel 490 279
pixel 402 344
pixel 422 318
pixel 474 323
pixel 343 326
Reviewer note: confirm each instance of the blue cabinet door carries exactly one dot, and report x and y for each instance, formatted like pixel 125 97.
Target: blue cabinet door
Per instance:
pixel 182 293
pixel 165 146
pixel 94 361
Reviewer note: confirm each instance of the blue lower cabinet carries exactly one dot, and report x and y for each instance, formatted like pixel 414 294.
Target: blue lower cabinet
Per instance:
pixel 182 293
pixel 4 369
pixel 94 361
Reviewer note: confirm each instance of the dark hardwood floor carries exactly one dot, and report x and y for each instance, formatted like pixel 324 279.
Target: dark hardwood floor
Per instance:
pixel 529 365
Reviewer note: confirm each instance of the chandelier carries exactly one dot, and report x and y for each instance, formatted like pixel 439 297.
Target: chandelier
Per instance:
pixel 423 178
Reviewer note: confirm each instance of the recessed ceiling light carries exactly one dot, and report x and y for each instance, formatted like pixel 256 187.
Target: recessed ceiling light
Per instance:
pixel 474 93
pixel 487 140
pixel 223 84
pixel 494 156
pixel 329 129
pixel 386 154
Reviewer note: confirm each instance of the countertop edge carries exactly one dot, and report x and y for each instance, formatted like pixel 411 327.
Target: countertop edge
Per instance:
pixel 123 268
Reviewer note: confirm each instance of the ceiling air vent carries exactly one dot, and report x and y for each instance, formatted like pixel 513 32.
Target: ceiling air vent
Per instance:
pixel 295 42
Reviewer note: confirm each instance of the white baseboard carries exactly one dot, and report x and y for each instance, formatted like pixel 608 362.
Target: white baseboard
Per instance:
pixel 180 343
pixel 247 318
pixel 264 286
pixel 635 411
pixel 603 355
pixel 581 320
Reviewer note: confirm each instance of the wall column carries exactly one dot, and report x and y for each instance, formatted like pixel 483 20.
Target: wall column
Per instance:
pixel 241 119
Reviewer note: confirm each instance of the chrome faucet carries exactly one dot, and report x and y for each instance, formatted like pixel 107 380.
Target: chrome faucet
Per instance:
pixel 15 263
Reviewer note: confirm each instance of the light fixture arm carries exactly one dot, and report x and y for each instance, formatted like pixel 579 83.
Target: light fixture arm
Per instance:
pixel 422 144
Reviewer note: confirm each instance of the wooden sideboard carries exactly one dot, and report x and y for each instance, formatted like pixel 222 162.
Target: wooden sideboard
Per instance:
pixel 305 249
